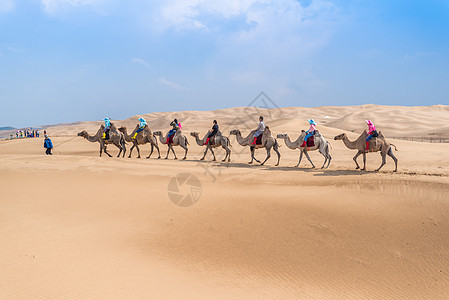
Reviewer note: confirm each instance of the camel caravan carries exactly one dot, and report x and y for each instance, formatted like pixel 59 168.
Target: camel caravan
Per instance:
pixel 261 137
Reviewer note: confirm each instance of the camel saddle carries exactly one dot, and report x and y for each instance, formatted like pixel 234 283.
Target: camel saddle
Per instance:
pixel 170 139
pixel 259 140
pixel 311 141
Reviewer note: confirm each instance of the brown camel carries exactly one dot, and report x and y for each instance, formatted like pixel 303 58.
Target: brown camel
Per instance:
pixel 143 137
pixel 178 140
pixel 268 142
pixel 218 140
pixel 115 138
pixel 321 144
pixel 375 145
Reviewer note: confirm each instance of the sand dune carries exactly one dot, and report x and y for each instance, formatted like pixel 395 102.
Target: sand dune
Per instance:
pixel 75 225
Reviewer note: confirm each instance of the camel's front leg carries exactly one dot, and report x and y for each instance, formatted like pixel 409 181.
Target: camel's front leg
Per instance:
pixel 251 149
pixel 173 150
pixel 300 158
pixel 364 161
pixel 205 152
pixel 138 150
pixel 355 159
pixel 168 151
pixel 268 155
pixel 308 157
pixel 211 150
pixel 158 152
pixel 151 152
pixel 131 151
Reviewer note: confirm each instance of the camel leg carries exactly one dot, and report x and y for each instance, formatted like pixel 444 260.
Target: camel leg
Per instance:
pixel 101 149
pixel 276 149
pixel 268 156
pixel 105 151
pixel 355 159
pixel 308 157
pixel 364 161
pixel 131 151
pixel 151 152
pixel 120 148
pixel 390 153
pixel 325 159
pixel 384 160
pixel 228 153
pixel 251 149
pixel 300 158
pixel 168 151
pixel 124 147
pixel 329 157
pixel 173 150
pixel 211 150
pixel 205 152
pixel 138 150
pixel 185 154
pixel 158 152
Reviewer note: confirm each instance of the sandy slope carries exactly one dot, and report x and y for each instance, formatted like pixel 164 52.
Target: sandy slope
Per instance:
pixel 78 226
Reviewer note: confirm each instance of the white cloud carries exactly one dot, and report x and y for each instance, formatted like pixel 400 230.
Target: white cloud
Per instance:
pixel 172 84
pixel 6 6
pixel 140 61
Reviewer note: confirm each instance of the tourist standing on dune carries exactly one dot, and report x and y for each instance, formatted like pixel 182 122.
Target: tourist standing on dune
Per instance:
pixel 48 145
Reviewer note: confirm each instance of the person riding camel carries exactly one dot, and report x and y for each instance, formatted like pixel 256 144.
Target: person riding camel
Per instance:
pixel 309 132
pixel 372 132
pixel 175 128
pixel 142 125
pixel 107 128
pixel 212 133
pixel 259 130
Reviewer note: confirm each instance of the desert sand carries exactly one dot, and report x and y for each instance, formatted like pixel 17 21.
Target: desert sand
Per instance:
pixel 77 226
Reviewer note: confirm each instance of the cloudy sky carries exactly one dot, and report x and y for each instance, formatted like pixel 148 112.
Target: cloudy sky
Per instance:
pixel 69 60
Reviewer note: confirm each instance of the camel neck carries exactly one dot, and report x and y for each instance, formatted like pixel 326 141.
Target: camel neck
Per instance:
pixel 348 143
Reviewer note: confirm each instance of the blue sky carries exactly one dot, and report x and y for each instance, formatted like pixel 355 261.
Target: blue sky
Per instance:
pixel 70 60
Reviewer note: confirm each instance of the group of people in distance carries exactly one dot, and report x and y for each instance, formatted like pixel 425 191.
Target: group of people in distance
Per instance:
pixel 372 132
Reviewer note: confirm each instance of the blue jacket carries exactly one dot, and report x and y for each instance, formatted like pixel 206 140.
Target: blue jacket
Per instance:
pixel 48 143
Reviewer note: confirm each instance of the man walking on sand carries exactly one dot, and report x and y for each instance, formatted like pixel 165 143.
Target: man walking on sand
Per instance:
pixel 48 145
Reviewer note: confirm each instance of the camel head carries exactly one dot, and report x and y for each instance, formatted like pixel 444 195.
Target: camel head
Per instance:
pixel 157 133
pixel 340 136
pixel 303 130
pixel 194 134
pixel 235 131
pixel 83 134
pixel 282 136
pixel 122 129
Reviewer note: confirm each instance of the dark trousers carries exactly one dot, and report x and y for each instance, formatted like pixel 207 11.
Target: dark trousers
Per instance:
pixel 48 151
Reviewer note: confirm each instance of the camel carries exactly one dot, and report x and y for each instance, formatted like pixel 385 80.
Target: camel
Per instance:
pixel 321 144
pixel 178 140
pixel 219 140
pixel 115 138
pixel 143 137
pixel 375 145
pixel 268 142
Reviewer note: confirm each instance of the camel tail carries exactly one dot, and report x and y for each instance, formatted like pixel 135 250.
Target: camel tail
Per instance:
pixel 330 145
pixel 395 148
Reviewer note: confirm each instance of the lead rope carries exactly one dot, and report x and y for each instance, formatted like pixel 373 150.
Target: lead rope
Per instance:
pixel 65 142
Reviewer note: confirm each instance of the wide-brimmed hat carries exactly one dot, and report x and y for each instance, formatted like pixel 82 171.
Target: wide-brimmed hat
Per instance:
pixel 369 122
pixel 311 122
pixel 141 119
